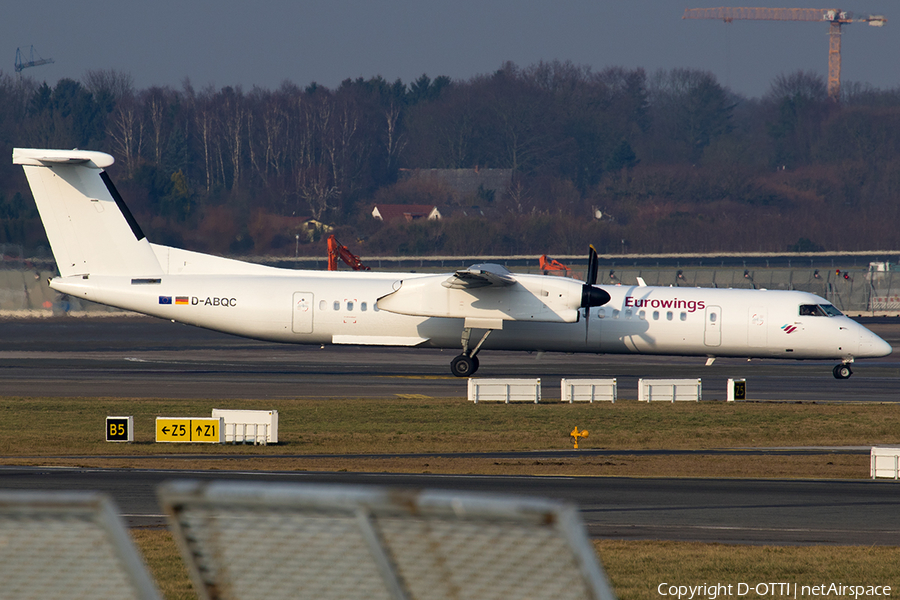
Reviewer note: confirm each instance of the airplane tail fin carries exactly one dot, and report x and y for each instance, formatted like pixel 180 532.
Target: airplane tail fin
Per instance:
pixel 91 231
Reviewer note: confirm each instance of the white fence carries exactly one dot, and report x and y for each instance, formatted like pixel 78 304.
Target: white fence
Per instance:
pixel 669 390
pixel 258 427
pixel 587 390
pixel 504 390
pixel 884 461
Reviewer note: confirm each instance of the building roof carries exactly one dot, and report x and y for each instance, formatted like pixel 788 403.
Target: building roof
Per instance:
pixel 409 212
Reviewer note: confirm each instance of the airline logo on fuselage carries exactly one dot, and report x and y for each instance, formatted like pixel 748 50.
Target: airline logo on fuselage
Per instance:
pixel 689 305
pixel 195 301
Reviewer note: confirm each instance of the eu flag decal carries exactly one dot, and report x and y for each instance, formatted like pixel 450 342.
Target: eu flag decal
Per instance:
pixel 165 299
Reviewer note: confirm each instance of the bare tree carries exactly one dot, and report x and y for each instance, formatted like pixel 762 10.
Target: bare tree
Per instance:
pixel 125 128
pixel 110 82
pixel 158 102
pixel 233 115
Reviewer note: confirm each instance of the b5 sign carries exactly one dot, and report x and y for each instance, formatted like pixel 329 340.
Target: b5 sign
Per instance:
pixel 199 430
pixel 119 429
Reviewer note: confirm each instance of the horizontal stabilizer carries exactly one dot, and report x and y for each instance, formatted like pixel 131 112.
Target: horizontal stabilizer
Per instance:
pixel 38 158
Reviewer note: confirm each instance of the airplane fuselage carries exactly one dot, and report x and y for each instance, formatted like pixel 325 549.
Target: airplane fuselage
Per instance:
pixel 311 307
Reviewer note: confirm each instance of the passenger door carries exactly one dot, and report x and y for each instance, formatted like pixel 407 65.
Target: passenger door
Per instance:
pixel 712 329
pixel 757 327
pixel 302 321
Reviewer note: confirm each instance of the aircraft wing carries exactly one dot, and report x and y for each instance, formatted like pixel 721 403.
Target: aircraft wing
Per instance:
pixel 478 276
pixel 489 295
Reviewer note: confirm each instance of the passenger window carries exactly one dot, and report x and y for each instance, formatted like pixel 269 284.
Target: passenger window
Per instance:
pixel 628 313
pixel 615 314
pixel 375 307
pixel 349 305
pixel 642 315
pixel 362 306
pixel 669 315
pixel 712 317
pixel 656 315
pixel 322 305
pixel 684 316
pixel 337 305
pixel 601 314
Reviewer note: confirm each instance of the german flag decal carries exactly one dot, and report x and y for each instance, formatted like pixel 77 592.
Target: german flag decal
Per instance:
pixel 181 300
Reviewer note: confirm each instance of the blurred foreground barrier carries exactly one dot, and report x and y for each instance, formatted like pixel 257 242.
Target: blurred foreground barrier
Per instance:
pixel 68 545
pixel 295 541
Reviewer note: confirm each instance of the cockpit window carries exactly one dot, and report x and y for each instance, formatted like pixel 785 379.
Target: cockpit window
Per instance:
pixel 819 310
pixel 830 310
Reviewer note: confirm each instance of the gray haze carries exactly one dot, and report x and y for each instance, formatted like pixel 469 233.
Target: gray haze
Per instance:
pixel 263 43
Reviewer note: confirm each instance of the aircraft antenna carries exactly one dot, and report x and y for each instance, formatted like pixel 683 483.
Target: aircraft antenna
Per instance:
pixel 835 17
pixel 22 64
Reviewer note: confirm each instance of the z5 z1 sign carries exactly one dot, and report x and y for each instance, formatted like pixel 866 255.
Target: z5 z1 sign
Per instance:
pixel 199 430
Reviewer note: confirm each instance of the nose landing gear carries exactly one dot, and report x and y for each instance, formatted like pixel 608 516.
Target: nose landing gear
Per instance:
pixel 842 371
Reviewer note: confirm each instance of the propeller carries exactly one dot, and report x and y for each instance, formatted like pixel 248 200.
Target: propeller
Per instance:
pixel 590 295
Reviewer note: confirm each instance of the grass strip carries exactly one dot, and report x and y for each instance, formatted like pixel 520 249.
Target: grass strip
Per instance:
pixel 76 426
pixel 71 431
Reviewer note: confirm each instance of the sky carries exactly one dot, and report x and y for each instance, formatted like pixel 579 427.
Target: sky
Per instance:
pixel 265 42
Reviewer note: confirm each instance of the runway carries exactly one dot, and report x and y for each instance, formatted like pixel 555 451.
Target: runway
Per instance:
pixel 705 510
pixel 145 357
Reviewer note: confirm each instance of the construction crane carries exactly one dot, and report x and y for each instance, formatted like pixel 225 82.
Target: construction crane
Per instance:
pixel 548 264
pixel 31 62
pixel 337 250
pixel 834 16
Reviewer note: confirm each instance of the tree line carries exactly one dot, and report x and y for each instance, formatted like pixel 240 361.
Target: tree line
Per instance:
pixel 672 161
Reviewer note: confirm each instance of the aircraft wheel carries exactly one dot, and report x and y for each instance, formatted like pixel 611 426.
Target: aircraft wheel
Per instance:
pixel 464 366
pixel 842 372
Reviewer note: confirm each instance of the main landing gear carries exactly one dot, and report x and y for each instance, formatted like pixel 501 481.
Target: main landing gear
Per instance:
pixel 466 363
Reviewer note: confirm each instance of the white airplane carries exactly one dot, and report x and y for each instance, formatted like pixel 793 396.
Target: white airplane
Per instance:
pixel 103 256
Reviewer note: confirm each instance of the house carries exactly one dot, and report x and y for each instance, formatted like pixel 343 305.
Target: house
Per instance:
pixel 311 229
pixel 407 212
pixel 305 229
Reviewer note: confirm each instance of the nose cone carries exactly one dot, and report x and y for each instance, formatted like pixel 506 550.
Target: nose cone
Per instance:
pixel 872 346
pixel 593 296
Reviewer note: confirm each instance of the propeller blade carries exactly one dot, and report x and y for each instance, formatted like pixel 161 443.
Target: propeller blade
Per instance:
pixel 593 266
pixel 591 296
